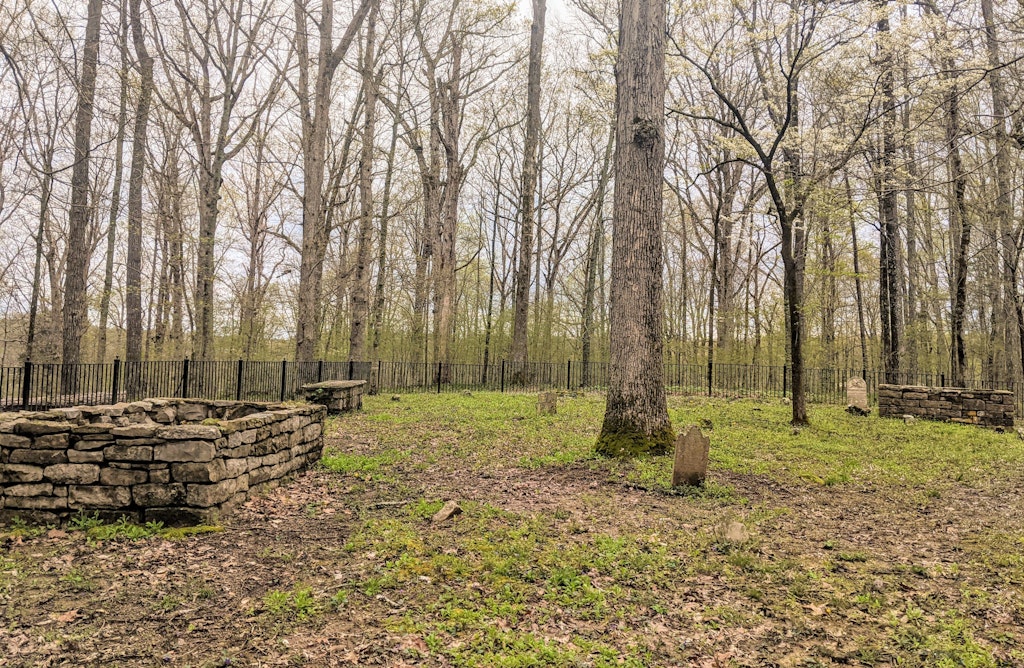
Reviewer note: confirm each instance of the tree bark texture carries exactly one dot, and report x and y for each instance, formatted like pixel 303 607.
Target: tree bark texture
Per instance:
pixel 636 416
pixel 133 269
pixel 361 275
pixel 520 348
pixel 314 107
pixel 885 178
pixel 75 305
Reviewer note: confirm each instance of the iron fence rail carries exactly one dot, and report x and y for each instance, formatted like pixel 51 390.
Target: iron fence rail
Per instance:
pixel 36 386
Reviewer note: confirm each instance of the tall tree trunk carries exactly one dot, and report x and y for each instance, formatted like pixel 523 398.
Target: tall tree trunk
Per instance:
pixel 133 284
pixel 889 276
pixel 520 352
pixel 211 178
pixel 382 245
pixel 45 193
pixel 861 329
pixel 636 417
pixel 713 287
pixel 314 90
pixel 489 320
pixel 450 106
pixel 960 227
pixel 593 260
pixel 361 274
pixel 115 193
pixel 830 299
pixel 1011 231
pixel 75 305
pixel 793 253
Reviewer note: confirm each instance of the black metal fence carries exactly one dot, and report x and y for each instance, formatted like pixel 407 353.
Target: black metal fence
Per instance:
pixel 35 386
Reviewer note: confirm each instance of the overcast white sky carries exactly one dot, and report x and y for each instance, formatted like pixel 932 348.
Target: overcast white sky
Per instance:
pixel 557 10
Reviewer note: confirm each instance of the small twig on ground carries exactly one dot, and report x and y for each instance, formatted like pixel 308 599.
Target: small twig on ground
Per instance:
pixel 388 504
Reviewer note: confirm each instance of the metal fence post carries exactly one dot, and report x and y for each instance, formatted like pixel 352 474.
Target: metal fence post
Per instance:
pixel 502 375
pixel 115 380
pixel 711 375
pixel 943 376
pixel 284 376
pixel 785 379
pixel 184 379
pixel 26 385
pixel 568 375
pixel 320 371
pixel 439 377
pixel 238 381
pixel 351 366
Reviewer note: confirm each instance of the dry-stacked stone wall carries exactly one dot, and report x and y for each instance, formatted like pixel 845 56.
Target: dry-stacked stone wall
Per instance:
pixel 170 460
pixel 987 408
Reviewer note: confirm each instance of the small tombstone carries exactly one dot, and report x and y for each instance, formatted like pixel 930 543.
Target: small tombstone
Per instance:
pixel 547 403
pixel 857 397
pixel 691 464
pixel 732 532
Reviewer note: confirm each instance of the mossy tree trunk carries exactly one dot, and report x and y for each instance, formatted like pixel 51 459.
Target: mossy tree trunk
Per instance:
pixel 636 418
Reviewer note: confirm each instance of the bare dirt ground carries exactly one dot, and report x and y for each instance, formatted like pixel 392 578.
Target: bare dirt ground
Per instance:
pixel 313 573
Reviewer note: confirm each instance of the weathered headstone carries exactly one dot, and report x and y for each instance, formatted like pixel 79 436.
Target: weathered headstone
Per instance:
pixel 857 397
pixel 691 463
pixel 732 532
pixel 547 403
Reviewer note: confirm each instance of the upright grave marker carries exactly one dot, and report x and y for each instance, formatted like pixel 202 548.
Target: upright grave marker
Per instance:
pixel 857 397
pixel 691 463
pixel 547 403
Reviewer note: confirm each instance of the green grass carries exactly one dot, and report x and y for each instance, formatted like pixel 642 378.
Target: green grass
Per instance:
pixel 754 437
pixel 560 587
pixel 298 604
pixel 864 542
pixel 97 530
pixel 480 429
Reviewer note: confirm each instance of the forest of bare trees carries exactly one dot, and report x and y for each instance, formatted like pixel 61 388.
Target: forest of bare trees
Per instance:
pixel 434 181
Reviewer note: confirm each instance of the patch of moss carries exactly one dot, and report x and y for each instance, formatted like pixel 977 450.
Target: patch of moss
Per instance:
pixel 622 442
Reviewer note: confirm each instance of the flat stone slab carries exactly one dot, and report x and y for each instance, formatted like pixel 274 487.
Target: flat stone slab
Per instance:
pixel 334 385
pixel 339 396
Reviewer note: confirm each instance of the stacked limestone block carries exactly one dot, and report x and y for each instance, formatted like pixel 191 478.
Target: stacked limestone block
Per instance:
pixel 170 460
pixel 339 396
pixel 987 408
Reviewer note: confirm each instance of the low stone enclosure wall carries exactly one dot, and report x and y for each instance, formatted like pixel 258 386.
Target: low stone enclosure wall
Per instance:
pixel 339 396
pixel 987 408
pixel 174 461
